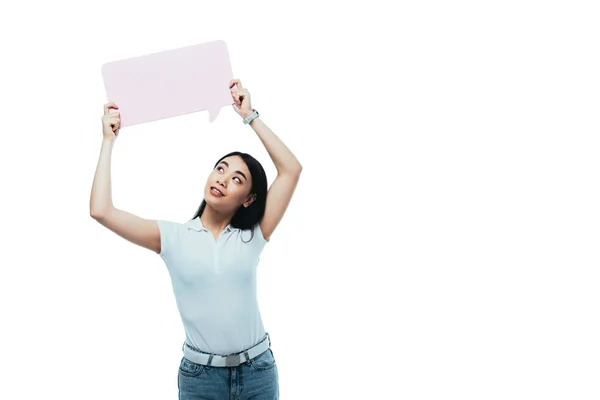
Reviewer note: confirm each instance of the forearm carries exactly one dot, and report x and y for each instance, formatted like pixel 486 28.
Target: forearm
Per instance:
pixel 101 196
pixel 285 161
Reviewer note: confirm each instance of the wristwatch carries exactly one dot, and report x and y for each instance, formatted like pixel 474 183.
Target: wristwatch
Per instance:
pixel 251 117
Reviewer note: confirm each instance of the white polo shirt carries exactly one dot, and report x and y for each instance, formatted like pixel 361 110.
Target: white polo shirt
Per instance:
pixel 214 282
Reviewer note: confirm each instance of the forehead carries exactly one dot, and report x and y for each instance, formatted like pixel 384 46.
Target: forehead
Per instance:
pixel 236 163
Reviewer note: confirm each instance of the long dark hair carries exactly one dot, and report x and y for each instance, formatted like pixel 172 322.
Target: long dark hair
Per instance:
pixel 247 217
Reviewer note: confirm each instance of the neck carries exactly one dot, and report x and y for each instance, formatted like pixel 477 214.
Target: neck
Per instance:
pixel 213 220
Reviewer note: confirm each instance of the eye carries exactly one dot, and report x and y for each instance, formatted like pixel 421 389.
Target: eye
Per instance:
pixel 219 168
pixel 238 179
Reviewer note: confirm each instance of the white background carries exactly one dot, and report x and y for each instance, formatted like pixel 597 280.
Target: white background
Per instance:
pixel 443 239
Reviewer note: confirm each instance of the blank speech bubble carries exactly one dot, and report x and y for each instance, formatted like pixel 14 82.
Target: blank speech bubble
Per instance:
pixel 170 83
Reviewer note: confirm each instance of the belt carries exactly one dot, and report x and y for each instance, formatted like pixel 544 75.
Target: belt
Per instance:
pixel 232 360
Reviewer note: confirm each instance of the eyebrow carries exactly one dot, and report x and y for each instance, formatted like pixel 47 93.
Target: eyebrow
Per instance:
pixel 238 172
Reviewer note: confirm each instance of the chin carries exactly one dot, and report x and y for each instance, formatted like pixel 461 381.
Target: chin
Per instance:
pixel 210 200
pixel 215 203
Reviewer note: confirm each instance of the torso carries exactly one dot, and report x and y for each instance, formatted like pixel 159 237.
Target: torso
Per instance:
pixel 214 282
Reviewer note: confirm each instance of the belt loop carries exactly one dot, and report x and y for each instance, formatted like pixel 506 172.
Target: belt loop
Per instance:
pixel 247 356
pixel 210 357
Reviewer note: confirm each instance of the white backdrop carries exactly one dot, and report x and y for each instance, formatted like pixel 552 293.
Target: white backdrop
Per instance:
pixel 443 239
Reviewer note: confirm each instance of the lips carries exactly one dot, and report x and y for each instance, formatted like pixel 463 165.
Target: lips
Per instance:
pixel 213 189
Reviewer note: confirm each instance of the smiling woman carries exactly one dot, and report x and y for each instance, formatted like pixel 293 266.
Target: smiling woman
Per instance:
pixel 237 186
pixel 212 269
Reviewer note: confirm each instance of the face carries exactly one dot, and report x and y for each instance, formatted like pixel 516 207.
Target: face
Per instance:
pixel 232 179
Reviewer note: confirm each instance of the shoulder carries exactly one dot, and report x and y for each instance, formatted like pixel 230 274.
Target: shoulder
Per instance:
pixel 170 232
pixel 259 233
pixel 253 235
pixel 168 227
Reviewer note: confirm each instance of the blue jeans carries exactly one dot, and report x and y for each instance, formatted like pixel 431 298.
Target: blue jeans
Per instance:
pixel 256 379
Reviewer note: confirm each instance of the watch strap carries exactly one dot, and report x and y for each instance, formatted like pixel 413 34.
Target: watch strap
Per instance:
pixel 251 117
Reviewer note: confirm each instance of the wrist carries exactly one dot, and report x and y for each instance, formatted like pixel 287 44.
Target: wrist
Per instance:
pixel 248 118
pixel 245 114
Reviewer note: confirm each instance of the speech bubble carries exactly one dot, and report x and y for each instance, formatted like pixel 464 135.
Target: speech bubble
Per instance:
pixel 170 83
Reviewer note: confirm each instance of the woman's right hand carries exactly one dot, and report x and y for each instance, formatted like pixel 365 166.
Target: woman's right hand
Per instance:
pixel 111 122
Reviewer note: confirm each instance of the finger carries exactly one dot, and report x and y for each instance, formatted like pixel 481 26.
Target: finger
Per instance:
pixel 112 121
pixel 235 82
pixel 109 106
pixel 236 97
pixel 108 117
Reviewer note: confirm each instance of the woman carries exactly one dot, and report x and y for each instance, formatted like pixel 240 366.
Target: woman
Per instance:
pixel 212 260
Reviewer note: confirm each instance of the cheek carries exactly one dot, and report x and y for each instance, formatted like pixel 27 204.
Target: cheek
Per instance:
pixel 239 194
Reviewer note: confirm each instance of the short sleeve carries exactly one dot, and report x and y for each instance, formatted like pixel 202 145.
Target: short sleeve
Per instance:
pixel 260 236
pixel 169 232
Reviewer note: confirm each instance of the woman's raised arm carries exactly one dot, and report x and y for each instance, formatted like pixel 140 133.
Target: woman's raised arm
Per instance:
pixel 143 232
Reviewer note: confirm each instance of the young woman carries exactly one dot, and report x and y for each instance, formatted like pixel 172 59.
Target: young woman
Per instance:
pixel 212 260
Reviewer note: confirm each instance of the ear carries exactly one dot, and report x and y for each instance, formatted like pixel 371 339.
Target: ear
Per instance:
pixel 249 200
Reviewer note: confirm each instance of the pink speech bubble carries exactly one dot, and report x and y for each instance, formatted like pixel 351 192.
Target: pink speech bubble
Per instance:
pixel 170 83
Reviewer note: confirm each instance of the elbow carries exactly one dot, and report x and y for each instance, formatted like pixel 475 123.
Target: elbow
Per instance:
pixel 294 171
pixel 297 169
pixel 97 214
pixel 289 169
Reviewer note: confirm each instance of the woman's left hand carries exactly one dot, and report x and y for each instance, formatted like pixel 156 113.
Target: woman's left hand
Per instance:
pixel 241 98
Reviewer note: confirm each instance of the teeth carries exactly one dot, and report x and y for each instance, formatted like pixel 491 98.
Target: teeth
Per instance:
pixel 218 191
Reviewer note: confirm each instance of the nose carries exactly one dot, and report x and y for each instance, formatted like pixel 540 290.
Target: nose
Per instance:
pixel 221 183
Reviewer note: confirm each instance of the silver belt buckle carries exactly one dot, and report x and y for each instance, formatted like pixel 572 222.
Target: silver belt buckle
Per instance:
pixel 233 361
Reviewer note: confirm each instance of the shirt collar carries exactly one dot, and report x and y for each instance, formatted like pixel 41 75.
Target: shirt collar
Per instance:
pixel 196 225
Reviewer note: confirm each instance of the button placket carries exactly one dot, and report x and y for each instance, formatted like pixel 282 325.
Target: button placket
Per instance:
pixel 216 250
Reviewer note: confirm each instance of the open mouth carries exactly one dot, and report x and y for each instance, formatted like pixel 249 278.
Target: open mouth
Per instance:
pixel 216 191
